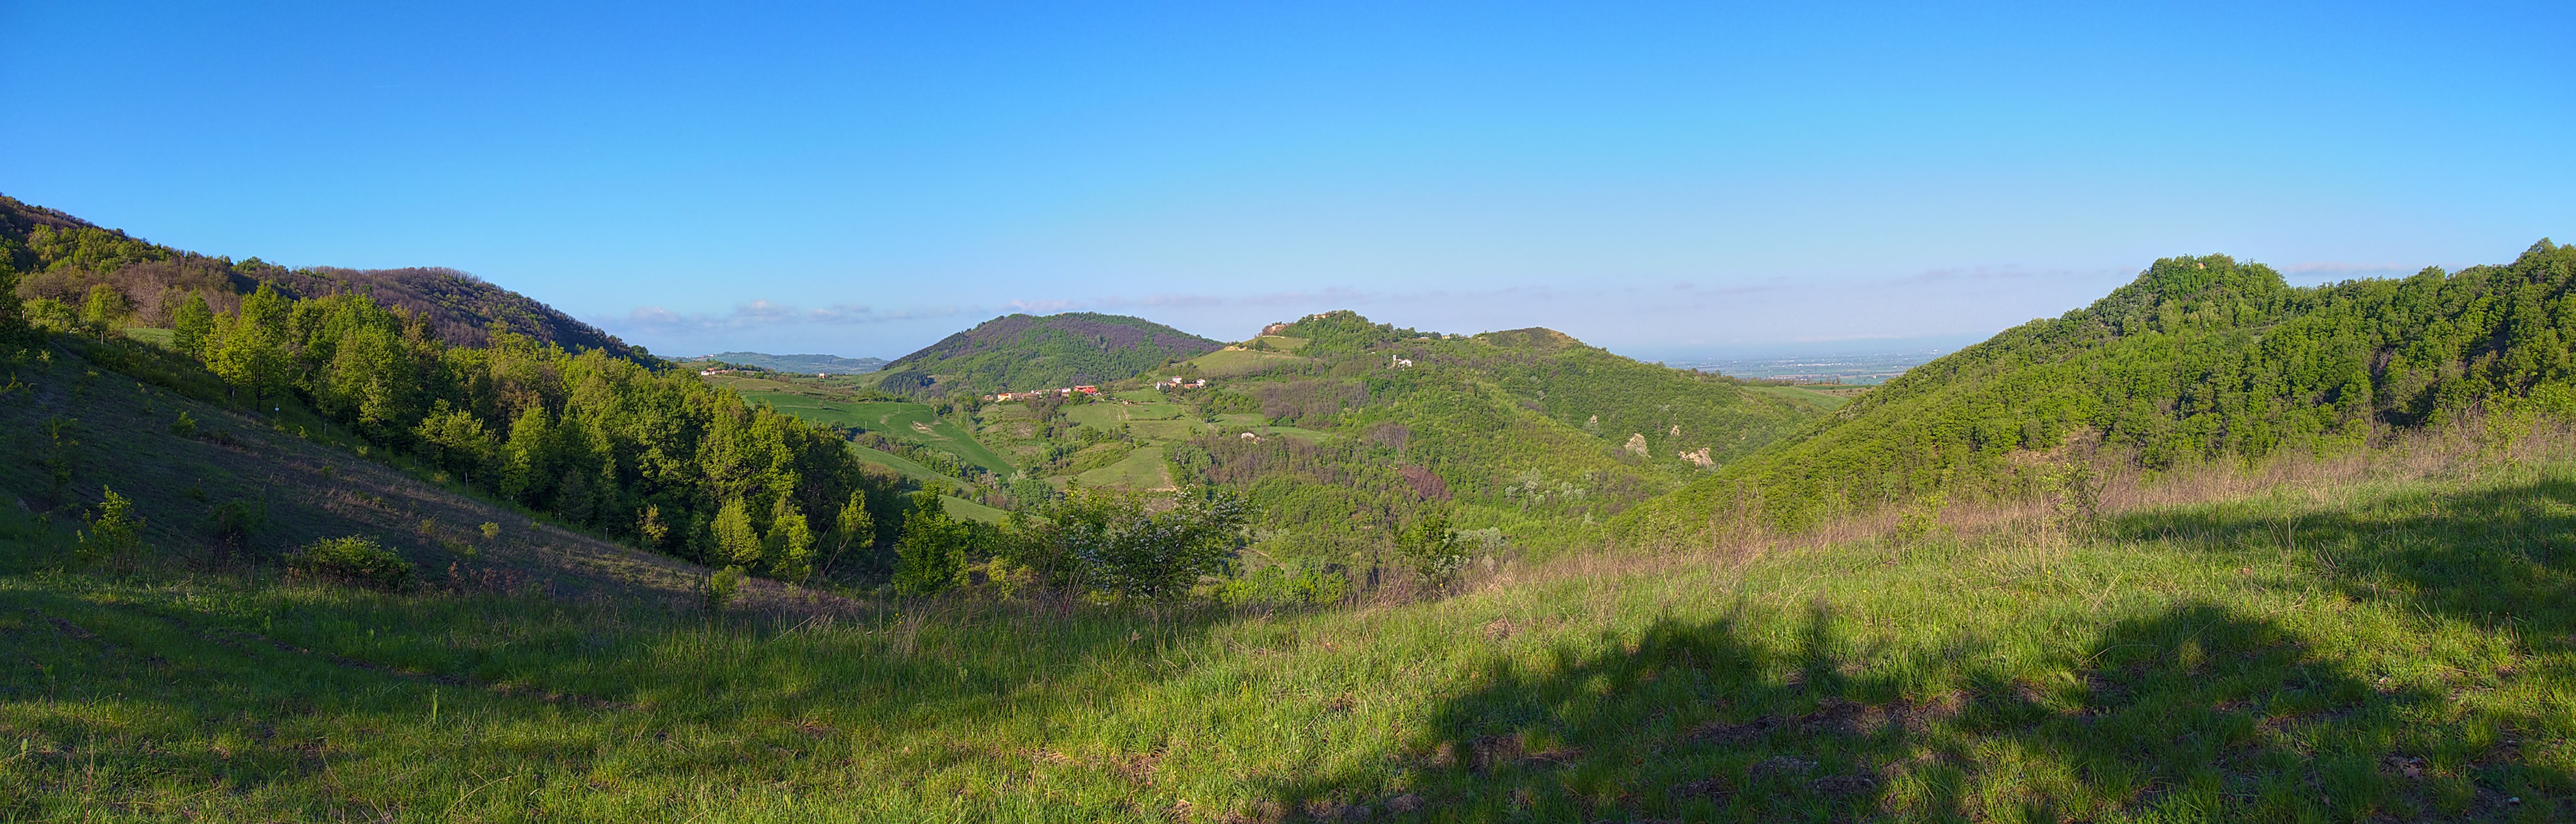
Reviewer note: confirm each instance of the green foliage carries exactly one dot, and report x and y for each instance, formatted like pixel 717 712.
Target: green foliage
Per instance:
pixel 789 546
pixel 1434 552
pixel 353 560
pixel 233 522
pixel 104 308
pixel 853 529
pixel 185 427
pixel 2201 359
pixel 931 554
pixel 192 325
pixel 737 542
pixel 594 440
pixel 1023 352
pixel 52 315
pixel 1297 583
pixel 1113 541
pixel 115 532
pixel 721 587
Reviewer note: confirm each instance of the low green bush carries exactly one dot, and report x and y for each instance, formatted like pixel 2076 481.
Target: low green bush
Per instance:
pixel 352 560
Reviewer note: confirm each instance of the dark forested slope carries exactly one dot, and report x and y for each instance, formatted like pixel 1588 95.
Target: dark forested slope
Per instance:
pixel 2201 358
pixel 64 259
pixel 1019 352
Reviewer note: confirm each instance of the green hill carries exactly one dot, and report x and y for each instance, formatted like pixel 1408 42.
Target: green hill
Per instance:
pixel 2201 359
pixel 65 260
pixel 1024 352
pixel 1528 433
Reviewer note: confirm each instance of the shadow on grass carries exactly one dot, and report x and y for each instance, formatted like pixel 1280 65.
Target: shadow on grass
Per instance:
pixel 128 696
pixel 2501 558
pixel 2194 714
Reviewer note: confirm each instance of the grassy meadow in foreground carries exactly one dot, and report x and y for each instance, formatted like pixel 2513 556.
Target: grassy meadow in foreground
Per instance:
pixel 2401 649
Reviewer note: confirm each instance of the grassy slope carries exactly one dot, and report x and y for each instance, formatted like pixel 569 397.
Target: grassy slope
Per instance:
pixel 115 432
pixel 898 463
pixel 900 420
pixel 2398 649
pixel 1227 363
pixel 972 511
pixel 1141 469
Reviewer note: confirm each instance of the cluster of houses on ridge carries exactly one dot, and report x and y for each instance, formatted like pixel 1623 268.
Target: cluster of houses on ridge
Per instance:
pixel 1066 392
pixel 1070 391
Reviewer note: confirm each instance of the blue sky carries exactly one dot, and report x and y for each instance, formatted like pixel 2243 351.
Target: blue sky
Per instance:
pixel 1666 180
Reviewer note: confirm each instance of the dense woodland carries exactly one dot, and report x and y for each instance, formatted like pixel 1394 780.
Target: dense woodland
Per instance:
pixel 1024 352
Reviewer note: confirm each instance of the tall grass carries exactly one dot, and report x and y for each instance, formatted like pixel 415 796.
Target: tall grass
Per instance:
pixel 2376 644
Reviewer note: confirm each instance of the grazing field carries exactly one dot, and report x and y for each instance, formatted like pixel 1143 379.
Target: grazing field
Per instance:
pixel 1168 430
pixel 2390 650
pixel 1279 342
pixel 1108 415
pixel 1141 469
pixel 972 511
pixel 898 463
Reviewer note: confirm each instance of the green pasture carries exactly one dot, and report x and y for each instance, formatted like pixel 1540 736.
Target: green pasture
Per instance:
pixel 1141 469
pixel 910 468
pixel 972 511
pixel 1226 363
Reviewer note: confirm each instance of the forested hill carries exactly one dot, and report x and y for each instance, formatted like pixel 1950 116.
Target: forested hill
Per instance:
pixel 66 260
pixel 1019 352
pixel 2201 358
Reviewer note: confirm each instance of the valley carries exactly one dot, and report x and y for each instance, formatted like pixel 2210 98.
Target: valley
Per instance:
pixel 2212 543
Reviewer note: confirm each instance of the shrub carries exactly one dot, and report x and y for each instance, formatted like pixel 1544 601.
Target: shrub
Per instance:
pixel 721 587
pixel 1111 541
pixel 1436 553
pixel 1301 583
pixel 185 427
pixel 352 560
pixel 233 521
pixel 931 554
pixel 115 531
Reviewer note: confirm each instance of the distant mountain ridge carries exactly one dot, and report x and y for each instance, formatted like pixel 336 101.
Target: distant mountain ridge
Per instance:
pixel 62 257
pixel 809 364
pixel 1018 352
